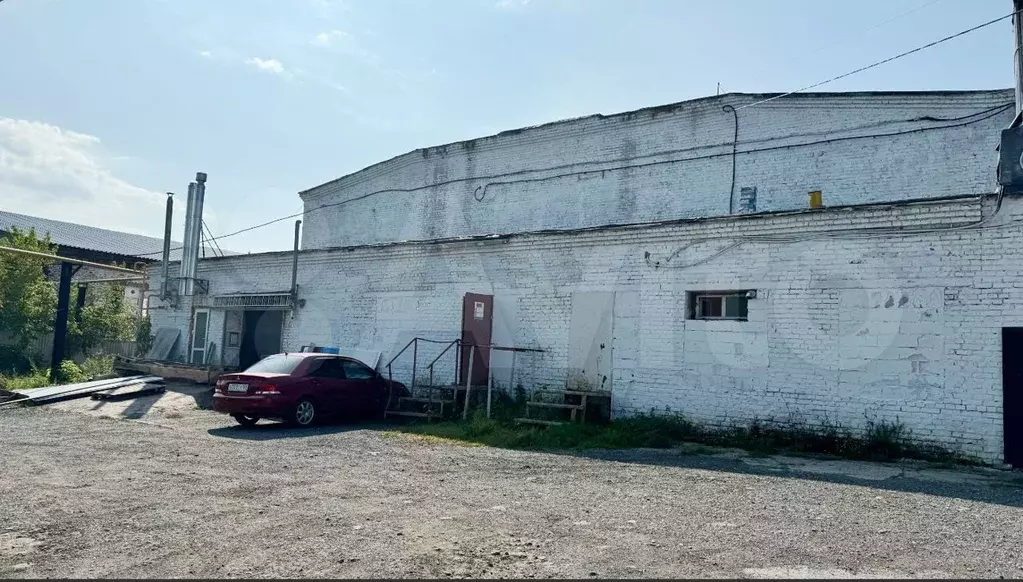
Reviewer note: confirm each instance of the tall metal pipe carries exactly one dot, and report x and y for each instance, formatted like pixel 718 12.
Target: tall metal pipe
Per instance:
pixel 165 274
pixel 186 246
pixel 200 196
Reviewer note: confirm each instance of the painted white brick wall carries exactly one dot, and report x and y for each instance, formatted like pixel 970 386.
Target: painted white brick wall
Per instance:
pixel 843 329
pixel 806 143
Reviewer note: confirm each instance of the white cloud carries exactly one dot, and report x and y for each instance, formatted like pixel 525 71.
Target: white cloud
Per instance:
pixel 269 65
pixel 511 4
pixel 329 38
pixel 63 175
pixel 327 9
pixel 206 54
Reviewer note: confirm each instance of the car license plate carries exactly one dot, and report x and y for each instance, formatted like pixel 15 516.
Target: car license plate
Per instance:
pixel 237 387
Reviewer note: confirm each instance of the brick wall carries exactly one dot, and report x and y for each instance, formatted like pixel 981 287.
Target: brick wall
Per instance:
pixel 843 328
pixel 667 163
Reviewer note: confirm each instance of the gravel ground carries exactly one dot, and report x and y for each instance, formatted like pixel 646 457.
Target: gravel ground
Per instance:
pixel 181 492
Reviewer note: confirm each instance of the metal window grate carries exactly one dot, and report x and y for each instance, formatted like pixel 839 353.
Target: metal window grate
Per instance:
pixel 264 301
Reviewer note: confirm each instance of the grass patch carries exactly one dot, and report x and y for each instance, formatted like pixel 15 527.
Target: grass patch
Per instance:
pixel 878 441
pixel 35 379
pixel 69 373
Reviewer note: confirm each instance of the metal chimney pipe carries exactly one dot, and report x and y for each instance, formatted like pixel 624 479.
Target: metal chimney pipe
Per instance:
pixel 200 196
pixel 166 246
pixel 186 246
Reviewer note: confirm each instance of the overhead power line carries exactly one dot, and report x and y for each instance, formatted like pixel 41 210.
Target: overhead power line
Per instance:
pixel 494 180
pixel 881 62
pixel 212 240
pixel 756 103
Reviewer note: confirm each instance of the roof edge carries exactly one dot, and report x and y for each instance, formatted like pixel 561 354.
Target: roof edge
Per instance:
pixel 664 108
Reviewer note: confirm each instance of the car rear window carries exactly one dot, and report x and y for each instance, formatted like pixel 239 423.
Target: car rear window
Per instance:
pixel 278 364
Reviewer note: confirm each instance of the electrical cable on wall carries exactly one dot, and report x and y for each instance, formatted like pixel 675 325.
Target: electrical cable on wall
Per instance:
pixel 866 233
pixel 735 147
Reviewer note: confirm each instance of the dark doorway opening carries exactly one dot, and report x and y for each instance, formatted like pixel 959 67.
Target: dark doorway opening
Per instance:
pixel 477 330
pixel 261 336
pixel 1012 394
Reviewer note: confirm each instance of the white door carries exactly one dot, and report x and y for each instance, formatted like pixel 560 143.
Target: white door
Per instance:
pixel 200 332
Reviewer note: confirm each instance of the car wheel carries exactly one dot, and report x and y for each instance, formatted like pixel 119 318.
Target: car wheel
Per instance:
pixel 304 413
pixel 246 419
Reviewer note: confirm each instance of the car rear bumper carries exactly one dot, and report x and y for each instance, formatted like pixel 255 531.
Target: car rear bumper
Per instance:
pixel 262 405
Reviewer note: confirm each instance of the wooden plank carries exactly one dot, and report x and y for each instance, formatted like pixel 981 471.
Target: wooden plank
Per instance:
pixel 594 393
pixel 170 371
pixel 407 413
pixel 425 399
pixel 538 421
pixel 555 405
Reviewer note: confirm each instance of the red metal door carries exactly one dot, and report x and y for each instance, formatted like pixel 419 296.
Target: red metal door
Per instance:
pixel 477 327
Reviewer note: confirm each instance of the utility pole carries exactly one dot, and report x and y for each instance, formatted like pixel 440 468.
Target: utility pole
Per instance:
pixel 1017 55
pixel 67 271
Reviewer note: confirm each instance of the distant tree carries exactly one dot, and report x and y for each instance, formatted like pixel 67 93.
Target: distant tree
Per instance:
pixel 28 301
pixel 106 316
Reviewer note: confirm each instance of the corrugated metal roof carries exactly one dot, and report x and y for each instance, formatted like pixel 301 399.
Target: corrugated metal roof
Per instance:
pixel 68 234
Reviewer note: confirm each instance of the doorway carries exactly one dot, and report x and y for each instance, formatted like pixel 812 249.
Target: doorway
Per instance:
pixel 1012 394
pixel 477 330
pixel 261 336
pixel 200 333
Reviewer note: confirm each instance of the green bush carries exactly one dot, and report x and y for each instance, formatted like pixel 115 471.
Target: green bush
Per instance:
pixel 70 373
pixel 98 366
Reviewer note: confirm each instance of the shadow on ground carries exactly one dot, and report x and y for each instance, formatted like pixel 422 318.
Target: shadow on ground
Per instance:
pixel 266 431
pixel 972 484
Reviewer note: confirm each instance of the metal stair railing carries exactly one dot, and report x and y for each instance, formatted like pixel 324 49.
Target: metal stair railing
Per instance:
pixel 414 344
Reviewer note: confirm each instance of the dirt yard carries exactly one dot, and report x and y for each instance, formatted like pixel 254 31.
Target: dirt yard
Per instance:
pixel 161 488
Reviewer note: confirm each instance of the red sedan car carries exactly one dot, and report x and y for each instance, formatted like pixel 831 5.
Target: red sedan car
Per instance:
pixel 300 388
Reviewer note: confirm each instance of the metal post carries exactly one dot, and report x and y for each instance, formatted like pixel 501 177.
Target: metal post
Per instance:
pixel 60 325
pixel 512 381
pixel 415 356
pixel 468 383
pixel 294 265
pixel 390 388
pixel 1017 57
pixel 166 246
pixel 490 378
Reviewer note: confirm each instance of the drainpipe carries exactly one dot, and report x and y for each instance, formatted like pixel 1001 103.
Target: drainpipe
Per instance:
pixel 294 266
pixel 1017 56
pixel 166 246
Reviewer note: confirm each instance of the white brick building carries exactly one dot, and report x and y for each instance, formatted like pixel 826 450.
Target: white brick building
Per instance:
pixel 598 239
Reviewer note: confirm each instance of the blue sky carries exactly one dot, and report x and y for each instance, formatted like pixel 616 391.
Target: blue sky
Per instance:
pixel 106 104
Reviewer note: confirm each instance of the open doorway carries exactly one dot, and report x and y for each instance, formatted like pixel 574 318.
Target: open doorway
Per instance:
pixel 1012 394
pixel 261 336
